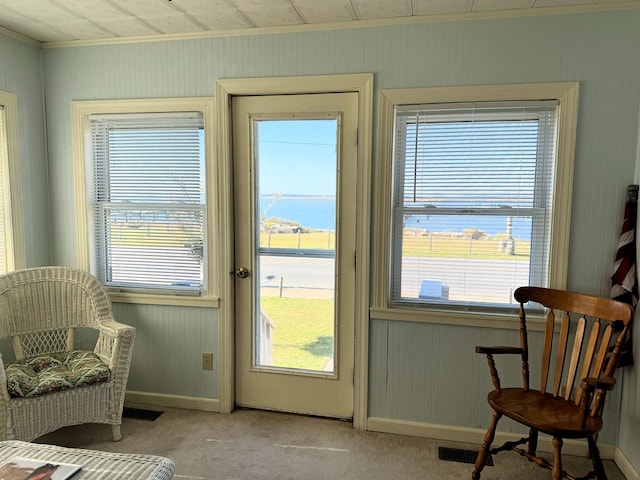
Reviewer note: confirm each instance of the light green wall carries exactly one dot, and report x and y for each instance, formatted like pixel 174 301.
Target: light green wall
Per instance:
pixel 167 356
pixel 598 50
pixel 21 74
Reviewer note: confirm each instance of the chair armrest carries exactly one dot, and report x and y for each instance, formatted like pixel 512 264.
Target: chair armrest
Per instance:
pixel 114 345
pixel 499 350
pixel 4 393
pixel 114 329
pixel 590 384
pixel 490 352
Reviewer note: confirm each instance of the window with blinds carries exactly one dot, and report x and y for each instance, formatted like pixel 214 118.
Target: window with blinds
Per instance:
pixel 472 201
pixel 148 207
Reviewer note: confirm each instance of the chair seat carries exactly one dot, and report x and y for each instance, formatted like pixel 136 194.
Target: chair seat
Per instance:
pixel 54 372
pixel 544 412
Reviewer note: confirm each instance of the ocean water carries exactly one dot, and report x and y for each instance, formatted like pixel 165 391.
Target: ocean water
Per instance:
pixel 311 212
pixel 320 213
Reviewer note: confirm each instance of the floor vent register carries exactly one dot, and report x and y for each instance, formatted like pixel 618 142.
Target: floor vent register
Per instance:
pixel 461 456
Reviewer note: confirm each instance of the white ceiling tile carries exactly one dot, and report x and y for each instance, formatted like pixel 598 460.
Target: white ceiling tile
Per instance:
pixel 43 33
pixel 338 12
pixel 552 3
pixel 368 9
pixel 314 11
pixel 9 16
pixel 59 20
pixel 176 23
pixel 273 16
pixel 84 30
pixel 224 20
pixel 92 9
pixel 492 5
pixel 127 27
pixel 42 11
pixel 203 6
pixel 437 7
pixel 146 7
pixel 260 4
pixel 321 3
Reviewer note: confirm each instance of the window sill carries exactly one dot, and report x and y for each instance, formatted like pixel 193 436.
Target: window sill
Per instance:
pixel 176 300
pixel 535 322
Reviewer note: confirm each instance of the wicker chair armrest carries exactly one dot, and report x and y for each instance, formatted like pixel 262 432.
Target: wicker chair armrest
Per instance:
pixel 5 398
pixel 114 329
pixel 499 350
pixel 114 346
pixel 3 375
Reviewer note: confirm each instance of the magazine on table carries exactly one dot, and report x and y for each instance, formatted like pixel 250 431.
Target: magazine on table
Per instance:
pixel 22 468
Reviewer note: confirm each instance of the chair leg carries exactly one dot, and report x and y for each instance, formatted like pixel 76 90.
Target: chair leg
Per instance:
pixel 486 445
pixel 556 471
pixel 533 441
pixel 594 454
pixel 115 431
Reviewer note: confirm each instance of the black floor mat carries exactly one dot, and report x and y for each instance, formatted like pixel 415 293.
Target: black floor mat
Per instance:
pixel 462 456
pixel 140 413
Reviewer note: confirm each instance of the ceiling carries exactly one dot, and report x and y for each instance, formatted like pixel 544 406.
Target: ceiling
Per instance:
pixel 46 21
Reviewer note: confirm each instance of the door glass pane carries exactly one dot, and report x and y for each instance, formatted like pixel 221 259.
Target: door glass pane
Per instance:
pixel 295 166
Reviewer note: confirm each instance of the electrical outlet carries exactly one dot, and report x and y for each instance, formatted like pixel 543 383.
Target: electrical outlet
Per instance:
pixel 207 361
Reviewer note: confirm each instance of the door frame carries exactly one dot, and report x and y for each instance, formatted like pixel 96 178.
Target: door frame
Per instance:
pixel 362 84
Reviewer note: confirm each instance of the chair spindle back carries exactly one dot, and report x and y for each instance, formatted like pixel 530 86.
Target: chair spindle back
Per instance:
pixel 583 338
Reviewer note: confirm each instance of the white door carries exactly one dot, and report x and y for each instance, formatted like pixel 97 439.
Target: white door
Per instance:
pixel 294 173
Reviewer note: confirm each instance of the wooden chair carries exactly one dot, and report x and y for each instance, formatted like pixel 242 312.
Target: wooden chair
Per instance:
pixel 591 334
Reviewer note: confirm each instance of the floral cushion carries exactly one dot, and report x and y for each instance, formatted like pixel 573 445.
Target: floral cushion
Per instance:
pixel 54 372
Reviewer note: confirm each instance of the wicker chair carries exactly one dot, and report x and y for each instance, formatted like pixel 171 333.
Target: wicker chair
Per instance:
pixel 40 310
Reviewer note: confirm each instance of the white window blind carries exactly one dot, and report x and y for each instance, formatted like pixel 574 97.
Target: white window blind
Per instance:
pixel 472 201
pixel 149 200
pixel 4 162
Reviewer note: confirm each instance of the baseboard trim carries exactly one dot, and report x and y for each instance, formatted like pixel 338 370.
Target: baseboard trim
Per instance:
pixel 625 466
pixel 474 435
pixel 137 399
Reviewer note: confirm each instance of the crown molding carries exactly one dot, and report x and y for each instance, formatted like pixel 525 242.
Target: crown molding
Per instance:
pixel 18 36
pixel 355 24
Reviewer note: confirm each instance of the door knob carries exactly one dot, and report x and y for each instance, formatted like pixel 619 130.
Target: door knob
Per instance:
pixel 242 272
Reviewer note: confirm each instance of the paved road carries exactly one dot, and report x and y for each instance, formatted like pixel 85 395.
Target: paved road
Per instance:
pixel 485 280
pixel 298 272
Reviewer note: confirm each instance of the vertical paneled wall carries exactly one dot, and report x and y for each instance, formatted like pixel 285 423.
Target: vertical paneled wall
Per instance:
pixel 21 74
pixel 167 357
pixel 443 377
pixel 629 438
pixel 418 372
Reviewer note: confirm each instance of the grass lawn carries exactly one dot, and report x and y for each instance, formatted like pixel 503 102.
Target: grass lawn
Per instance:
pixel 458 247
pixel 303 333
pixel 413 245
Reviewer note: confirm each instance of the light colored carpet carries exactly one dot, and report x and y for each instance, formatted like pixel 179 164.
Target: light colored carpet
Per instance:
pixel 258 445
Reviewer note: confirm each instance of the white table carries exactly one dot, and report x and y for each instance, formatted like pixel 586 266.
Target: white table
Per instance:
pixel 96 465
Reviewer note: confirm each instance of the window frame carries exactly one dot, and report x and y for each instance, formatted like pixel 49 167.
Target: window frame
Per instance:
pixel 81 118
pixel 11 188
pixel 566 94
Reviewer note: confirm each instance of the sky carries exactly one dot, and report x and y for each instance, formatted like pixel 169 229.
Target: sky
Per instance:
pixel 297 157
